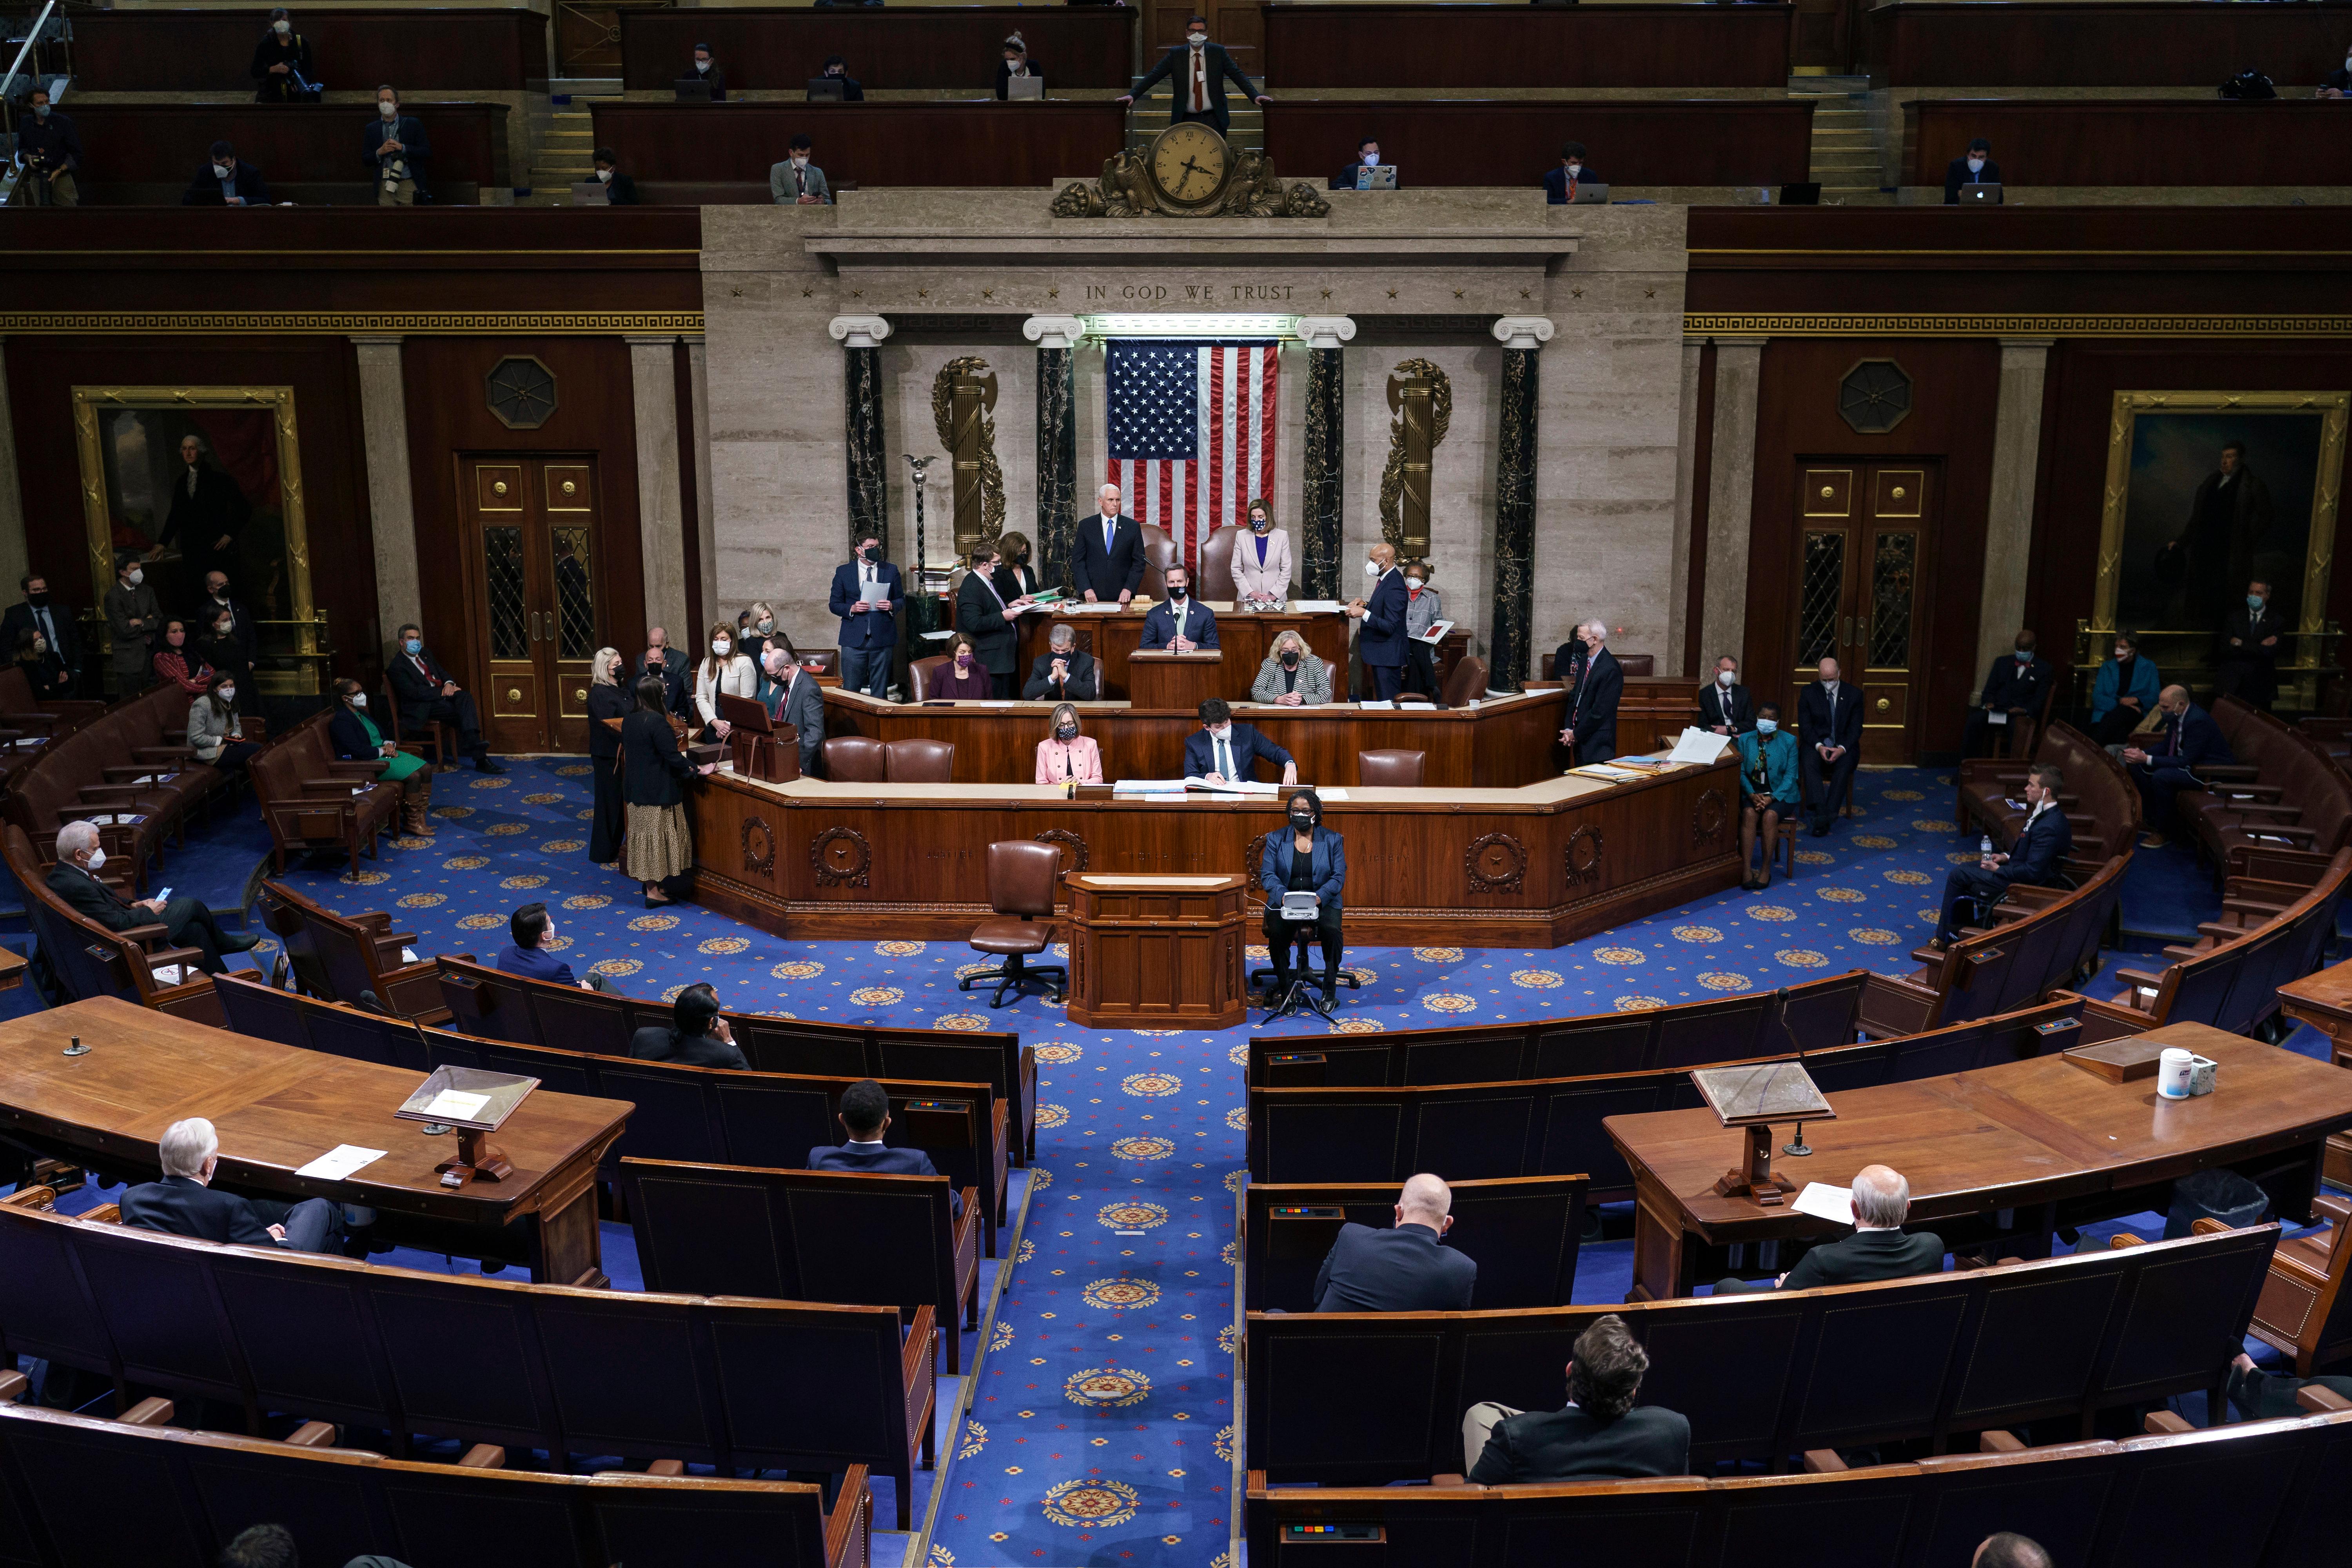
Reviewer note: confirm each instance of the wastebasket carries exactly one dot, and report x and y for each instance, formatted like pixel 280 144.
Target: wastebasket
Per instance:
pixel 2224 1196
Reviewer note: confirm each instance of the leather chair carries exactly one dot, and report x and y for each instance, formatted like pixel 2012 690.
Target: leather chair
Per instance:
pixel 1216 578
pixel 855 759
pixel 1158 554
pixel 1022 875
pixel 1391 768
pixel 439 737
pixel 1466 684
pixel 921 673
pixel 919 762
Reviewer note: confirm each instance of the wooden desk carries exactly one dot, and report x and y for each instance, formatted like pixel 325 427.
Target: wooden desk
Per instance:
pixel 1534 867
pixel 2091 43
pixel 1149 952
pixel 2132 142
pixel 1244 636
pixel 2042 1135
pixel 278 1108
pixel 1500 744
pixel 1512 142
pixel 12 969
pixel 1486 48
pixel 2322 999
pixel 440 50
pixel 779 48
pixel 1177 681
pixel 306 152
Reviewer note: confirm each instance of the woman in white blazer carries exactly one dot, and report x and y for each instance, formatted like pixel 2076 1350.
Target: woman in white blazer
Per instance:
pixel 725 669
pixel 1260 559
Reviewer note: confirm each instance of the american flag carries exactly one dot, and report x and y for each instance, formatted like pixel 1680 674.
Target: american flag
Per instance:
pixel 1192 433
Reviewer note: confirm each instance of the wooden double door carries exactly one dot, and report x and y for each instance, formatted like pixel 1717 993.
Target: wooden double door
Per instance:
pixel 1863 537
pixel 533 573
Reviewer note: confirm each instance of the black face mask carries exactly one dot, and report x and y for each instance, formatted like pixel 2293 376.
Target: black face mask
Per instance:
pixel 1066 732
pixel 1290 660
pixel 1302 820
pixel 38 601
pixel 1177 593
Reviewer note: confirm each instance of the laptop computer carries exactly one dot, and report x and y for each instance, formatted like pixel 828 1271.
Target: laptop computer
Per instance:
pixel 1021 87
pixel 1596 196
pixel 1376 177
pixel 1801 193
pixel 591 193
pixel 824 89
pixel 1980 195
pixel 691 89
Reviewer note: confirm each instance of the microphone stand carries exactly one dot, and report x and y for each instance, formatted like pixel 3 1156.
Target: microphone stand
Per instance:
pixel 1799 1149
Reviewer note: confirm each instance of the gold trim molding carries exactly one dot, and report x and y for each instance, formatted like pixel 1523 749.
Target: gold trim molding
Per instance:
pixel 1704 324
pixel 339 323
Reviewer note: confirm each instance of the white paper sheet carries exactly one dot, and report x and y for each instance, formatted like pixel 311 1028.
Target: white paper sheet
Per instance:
pixel 1825 1202
pixel 1315 606
pixel 1697 745
pixel 1376 706
pixel 1436 631
pixel 1331 795
pixel 457 1105
pixel 1995 716
pixel 340 1161
pixel 1240 786
pixel 408 955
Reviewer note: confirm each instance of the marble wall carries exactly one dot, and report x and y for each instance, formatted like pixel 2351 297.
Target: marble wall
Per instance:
pixel 1421 276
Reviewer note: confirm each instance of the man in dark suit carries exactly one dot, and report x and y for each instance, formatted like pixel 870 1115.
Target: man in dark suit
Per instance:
pixel 675 666
pixel 697 1036
pixel 992 624
pixel 1221 749
pixel 529 957
pixel 227 179
pixel 2017 685
pixel 1198 71
pixel 1380 641
pixel 1560 184
pixel 185 920
pixel 1724 707
pixel 866 596
pixel 184 1204
pixel 2186 739
pixel 37 614
pixel 396 150
pixel 1590 732
pixel 2252 636
pixel 1600 1434
pixel 1109 563
pixel 428 692
pixel 1368 156
pixel 216 600
pixel 791 697
pixel 1400 1270
pixel 1182 624
pixel 1878 1249
pixel 865 1116
pixel 1829 713
pixel 1975 167
pixel 1063 674
pixel 2037 857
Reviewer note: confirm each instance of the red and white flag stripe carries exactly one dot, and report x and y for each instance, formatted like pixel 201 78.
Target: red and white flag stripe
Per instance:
pixel 1193 497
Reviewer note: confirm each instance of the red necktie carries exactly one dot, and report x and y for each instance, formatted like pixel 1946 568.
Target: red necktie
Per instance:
pixel 1200 83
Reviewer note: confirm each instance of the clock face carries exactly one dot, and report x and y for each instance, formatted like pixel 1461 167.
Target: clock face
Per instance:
pixel 1188 164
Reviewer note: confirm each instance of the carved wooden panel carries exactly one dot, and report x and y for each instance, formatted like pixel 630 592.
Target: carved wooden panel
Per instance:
pixel 841 855
pixel 1582 855
pixel 760 849
pixel 1710 817
pixel 1497 863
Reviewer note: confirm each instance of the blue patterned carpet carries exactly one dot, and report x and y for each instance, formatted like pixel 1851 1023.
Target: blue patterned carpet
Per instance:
pixel 1099 1427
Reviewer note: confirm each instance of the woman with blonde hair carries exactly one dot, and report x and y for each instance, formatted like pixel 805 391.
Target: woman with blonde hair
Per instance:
pixel 755 628
pixel 1260 559
pixel 723 671
pixel 1065 756
pixel 1292 676
pixel 607 699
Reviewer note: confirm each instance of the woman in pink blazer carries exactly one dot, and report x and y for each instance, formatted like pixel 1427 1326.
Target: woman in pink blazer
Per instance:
pixel 1260 559
pixel 1065 756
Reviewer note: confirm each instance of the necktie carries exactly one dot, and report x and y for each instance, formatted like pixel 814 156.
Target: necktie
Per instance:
pixel 1200 83
pixel 1224 756
pixel 1111 531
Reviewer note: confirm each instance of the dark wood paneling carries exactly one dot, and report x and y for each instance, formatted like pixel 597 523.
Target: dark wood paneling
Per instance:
pixel 1955 388
pixel 1489 47
pixel 433 49
pixel 323 372
pixel 1469 141
pixel 2174 43
pixel 722 151
pixel 449 416
pixel 2134 142
pixel 367 258
pixel 308 152
pixel 944 46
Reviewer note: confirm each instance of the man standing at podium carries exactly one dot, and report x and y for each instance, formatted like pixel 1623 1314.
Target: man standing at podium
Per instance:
pixel 1111 553
pixel 1199 70
pixel 1181 625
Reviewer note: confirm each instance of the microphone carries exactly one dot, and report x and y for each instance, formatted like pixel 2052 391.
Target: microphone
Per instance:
pixel 1799 1149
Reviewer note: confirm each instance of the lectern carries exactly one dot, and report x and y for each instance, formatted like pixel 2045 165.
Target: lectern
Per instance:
pixel 1156 952
pixel 1753 1097
pixel 1179 682
pixel 475 1103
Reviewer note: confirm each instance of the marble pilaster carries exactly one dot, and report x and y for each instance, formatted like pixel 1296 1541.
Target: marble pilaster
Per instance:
pixel 1509 660
pixel 2009 517
pixel 705 536
pixel 1670 660
pixel 661 505
pixel 1730 496
pixel 392 508
pixel 865 447
pixel 15 557
pixel 1056 338
pixel 1321 522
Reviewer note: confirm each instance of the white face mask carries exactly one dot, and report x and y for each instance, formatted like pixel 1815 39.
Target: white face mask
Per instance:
pixel 228 693
pixel 97 858
pixel 1196 40
pixel 1412 582
pixel 389 110
pixel 605 176
pixel 1372 160
pixel 281 28
pixel 1221 734
pixel 1723 676
pixel 360 701
pixel 136 577
pixel 1574 168
pixel 1976 166
pixel 1371 568
pixel 800 159
pixel 720 648
pixel 701 66
pixel 224 170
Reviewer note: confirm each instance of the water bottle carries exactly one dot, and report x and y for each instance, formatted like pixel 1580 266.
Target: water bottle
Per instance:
pixel 1984 848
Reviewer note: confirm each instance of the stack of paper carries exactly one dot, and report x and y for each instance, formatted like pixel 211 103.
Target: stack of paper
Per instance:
pixel 1240 786
pixel 339 1162
pixel 1825 1202
pixel 1697 745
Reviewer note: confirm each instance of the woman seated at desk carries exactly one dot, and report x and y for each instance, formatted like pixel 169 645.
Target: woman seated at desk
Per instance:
pixel 1310 858
pixel 1769 792
pixel 1065 756
pixel 1291 676
pixel 962 675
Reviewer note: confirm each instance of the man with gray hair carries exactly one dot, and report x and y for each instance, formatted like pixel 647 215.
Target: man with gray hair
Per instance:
pixel 184 1204
pixel 789 695
pixel 1878 1249
pixel 1062 673
pixel 1400 1270
pixel 1590 731
pixel 185 920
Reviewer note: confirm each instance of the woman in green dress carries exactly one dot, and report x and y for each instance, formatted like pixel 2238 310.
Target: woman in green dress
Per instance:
pixel 356 739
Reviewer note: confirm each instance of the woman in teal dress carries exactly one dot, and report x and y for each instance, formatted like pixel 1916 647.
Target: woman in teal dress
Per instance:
pixel 356 739
pixel 1768 791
